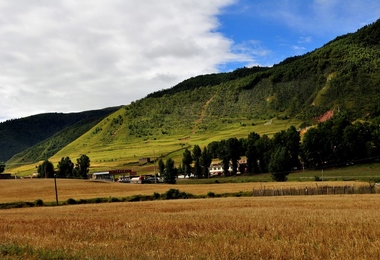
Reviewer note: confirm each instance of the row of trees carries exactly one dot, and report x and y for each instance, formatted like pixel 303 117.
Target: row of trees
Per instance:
pixel 66 168
pixel 168 171
pixel 277 155
pixel 332 143
pixel 340 142
pixel 201 158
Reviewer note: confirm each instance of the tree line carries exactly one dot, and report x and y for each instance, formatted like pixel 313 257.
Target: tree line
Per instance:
pixel 66 168
pixel 336 142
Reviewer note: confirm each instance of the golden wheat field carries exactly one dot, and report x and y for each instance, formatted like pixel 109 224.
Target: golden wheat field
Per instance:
pixel 286 227
pixel 33 189
pixel 298 227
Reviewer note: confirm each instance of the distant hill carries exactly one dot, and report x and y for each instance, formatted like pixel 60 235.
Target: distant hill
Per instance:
pixel 342 75
pixel 18 135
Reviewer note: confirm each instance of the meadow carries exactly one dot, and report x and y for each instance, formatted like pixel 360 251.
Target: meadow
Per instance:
pixel 298 227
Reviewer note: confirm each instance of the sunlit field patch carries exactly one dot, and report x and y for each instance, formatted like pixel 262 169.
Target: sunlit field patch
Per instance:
pixel 298 227
pixel 33 189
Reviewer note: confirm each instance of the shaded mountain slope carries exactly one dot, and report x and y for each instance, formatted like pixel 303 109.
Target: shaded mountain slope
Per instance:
pixel 20 134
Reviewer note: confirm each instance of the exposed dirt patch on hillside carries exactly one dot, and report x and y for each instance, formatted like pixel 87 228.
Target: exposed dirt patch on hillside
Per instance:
pixel 202 115
pixel 326 116
pixel 322 118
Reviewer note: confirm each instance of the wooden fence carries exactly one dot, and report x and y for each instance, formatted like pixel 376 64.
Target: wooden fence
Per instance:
pixel 318 190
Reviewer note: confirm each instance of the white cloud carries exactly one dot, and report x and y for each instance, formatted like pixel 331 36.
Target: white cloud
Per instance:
pixel 70 55
pixel 304 39
pixel 321 17
pixel 298 49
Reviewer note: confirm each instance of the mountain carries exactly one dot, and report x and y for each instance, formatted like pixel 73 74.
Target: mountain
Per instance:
pixel 342 75
pixel 17 135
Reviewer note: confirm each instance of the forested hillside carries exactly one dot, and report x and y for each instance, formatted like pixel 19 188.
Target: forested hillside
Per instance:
pixel 343 75
pixel 20 134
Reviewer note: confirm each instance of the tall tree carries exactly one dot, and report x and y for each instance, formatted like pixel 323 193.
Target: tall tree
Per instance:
pixel 213 149
pixel 187 161
pixel 82 166
pixel 313 148
pixel 197 152
pixel 233 153
pixel 161 167
pixel 251 153
pixel 375 130
pixel 280 164
pixel 336 127
pixel 205 161
pixel 224 155
pixel 325 144
pixel 197 168
pixel 264 150
pixel 46 169
pixel 357 142
pixel 293 143
pixel 65 168
pixel 170 172
pixel 243 145
pixel 286 146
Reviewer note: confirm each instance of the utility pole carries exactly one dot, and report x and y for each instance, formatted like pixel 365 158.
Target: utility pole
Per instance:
pixel 55 185
pixel 155 176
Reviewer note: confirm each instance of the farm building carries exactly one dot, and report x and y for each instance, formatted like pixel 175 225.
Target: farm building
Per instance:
pixel 105 176
pixel 110 175
pixel 144 160
pixel 216 168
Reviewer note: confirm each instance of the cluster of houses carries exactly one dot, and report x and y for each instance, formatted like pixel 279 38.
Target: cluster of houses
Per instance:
pixel 216 169
pixel 129 176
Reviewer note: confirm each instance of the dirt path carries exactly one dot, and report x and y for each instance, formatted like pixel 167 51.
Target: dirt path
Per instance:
pixel 203 113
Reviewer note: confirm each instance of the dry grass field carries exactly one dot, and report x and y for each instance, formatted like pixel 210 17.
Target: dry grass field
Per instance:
pixel 33 189
pixel 298 227
pixel 286 227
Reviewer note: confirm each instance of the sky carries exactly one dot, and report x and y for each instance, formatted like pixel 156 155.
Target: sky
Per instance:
pixel 77 55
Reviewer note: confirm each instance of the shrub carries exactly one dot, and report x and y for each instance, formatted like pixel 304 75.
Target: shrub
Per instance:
pixel 18 204
pixel 156 196
pixel 38 203
pixel 172 194
pixel 113 199
pixel 136 198
pixel 211 194
pixel 97 200
pixel 176 194
pixel 71 201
